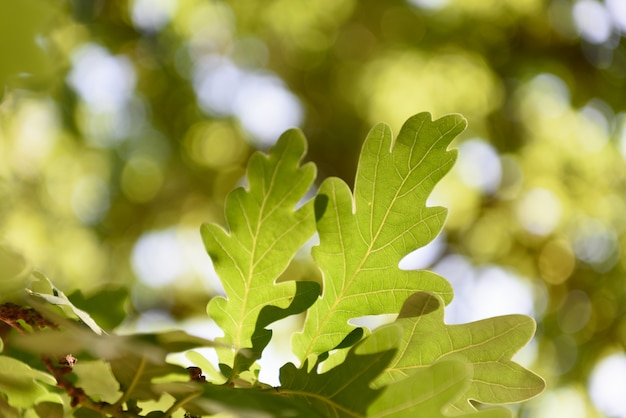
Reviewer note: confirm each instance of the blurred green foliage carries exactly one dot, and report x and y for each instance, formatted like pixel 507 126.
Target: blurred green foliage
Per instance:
pixel 124 124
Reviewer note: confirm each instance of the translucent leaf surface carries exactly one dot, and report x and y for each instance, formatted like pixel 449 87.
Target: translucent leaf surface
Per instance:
pixel 364 237
pixel 265 231
pixel 427 393
pixel 487 345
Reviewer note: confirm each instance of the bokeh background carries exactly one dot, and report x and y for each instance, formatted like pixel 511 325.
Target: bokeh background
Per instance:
pixel 124 124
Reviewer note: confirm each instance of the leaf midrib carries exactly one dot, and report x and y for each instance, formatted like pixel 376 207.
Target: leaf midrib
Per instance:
pixel 338 299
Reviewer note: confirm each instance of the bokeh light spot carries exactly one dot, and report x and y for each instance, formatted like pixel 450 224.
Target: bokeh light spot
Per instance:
pixel 592 20
pixel 596 244
pixel 562 402
pixel 479 165
pixel 161 258
pixel 103 81
pixel 483 292
pixel 575 312
pixel 556 262
pixel 90 199
pixel 607 385
pixel 539 211
pixel 260 100
pixel 214 145
pixel 425 256
pixel 142 178
pixel 617 12
pixel 152 15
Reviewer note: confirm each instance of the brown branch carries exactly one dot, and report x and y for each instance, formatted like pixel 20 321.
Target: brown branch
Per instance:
pixel 12 314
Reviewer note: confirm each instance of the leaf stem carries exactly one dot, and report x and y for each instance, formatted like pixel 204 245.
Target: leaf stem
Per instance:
pixel 180 403
pixel 126 395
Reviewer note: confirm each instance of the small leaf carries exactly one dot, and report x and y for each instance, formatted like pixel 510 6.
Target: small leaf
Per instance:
pixel 487 345
pixel 427 392
pixel 58 298
pixel 364 236
pixel 265 233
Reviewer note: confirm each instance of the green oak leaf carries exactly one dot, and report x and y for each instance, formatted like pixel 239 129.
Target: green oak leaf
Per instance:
pixel 345 390
pixel 487 345
pixel 427 392
pixel 364 236
pixel 265 232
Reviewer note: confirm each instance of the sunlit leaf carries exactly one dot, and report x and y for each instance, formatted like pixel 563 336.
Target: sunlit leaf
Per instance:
pixel 427 393
pixel 265 231
pixel 364 236
pixel 487 345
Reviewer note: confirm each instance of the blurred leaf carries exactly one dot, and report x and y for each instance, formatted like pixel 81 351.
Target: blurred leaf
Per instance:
pixel 106 306
pixel 58 298
pixel 22 24
pixel 427 392
pixel 487 345
pixel 14 276
pixel 154 346
pixel 47 409
pixel 135 360
pixel 21 384
pixel 7 411
pixel 210 399
pixel 135 375
pixel 364 236
pixel 208 370
pixel 96 379
pixel 265 233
